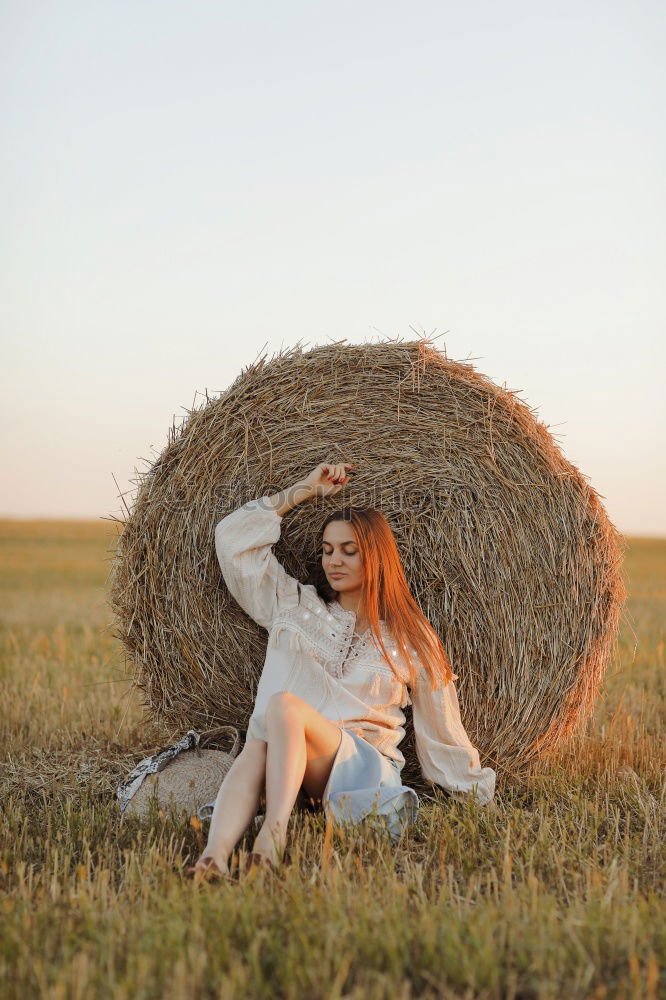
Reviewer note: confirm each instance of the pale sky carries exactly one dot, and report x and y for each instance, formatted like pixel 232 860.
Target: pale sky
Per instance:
pixel 185 182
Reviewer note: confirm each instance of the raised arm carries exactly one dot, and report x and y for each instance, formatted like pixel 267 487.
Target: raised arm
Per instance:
pixel 244 541
pixel 443 748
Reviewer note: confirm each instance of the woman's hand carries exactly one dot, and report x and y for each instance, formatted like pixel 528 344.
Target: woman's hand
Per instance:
pixel 324 480
pixel 327 479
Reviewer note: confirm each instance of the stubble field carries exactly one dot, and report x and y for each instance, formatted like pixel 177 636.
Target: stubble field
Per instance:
pixel 557 892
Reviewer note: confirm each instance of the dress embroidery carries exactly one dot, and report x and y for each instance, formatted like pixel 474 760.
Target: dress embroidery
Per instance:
pixel 326 633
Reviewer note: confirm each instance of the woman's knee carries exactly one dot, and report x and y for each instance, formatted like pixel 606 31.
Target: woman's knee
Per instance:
pixel 282 703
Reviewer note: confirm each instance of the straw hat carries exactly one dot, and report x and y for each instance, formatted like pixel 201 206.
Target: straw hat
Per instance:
pixel 184 777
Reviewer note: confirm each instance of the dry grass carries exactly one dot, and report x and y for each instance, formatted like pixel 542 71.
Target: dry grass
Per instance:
pixel 506 546
pixel 556 893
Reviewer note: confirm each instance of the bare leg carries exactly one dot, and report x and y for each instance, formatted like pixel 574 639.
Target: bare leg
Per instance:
pixel 236 803
pixel 302 745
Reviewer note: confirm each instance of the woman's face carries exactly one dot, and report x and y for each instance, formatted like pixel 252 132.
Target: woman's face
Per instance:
pixel 340 558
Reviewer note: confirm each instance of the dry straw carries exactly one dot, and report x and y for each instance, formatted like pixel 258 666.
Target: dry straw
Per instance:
pixel 507 548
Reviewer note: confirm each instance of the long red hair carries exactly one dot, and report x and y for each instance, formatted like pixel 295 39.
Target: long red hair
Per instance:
pixel 385 594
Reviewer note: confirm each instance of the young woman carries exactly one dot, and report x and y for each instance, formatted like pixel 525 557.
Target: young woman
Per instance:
pixel 327 720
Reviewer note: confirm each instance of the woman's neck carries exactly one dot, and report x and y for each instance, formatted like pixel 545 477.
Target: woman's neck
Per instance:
pixel 350 602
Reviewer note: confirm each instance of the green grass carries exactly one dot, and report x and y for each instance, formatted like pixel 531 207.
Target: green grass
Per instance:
pixel 557 892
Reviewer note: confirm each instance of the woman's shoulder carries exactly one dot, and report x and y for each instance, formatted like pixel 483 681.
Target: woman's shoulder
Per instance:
pixel 309 599
pixel 308 593
pixel 311 605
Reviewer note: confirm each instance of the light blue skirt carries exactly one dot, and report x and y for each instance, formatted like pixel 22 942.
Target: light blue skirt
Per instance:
pixel 364 784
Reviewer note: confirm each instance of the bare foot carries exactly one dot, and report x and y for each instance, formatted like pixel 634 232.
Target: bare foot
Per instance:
pixel 207 868
pixel 255 860
pixel 264 845
pixel 269 856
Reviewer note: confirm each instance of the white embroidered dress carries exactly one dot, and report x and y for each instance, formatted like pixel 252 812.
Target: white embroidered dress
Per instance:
pixel 312 650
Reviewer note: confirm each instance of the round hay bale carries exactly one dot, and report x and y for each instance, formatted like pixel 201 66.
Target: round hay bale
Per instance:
pixel 506 547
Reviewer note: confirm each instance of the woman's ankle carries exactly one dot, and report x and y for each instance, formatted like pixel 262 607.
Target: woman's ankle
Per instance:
pixel 270 843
